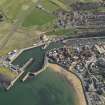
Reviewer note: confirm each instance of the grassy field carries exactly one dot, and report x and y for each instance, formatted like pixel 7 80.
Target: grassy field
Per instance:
pixel 73 1
pixel 41 16
pixel 62 32
pixel 15 11
pixel 37 17
pixel 60 4
pixel 89 0
pixel 18 40
pixel 5 71
pixel 48 88
pixel 14 7
pixel 47 4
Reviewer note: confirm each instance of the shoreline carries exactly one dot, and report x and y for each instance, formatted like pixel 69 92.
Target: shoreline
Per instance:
pixel 72 80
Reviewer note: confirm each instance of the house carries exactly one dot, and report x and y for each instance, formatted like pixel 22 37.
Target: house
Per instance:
pixel 100 48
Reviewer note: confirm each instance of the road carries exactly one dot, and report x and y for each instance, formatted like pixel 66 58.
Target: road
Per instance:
pixel 84 41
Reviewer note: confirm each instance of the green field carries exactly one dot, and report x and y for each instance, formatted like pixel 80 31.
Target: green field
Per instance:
pixel 16 41
pixel 37 17
pixel 8 73
pixel 42 16
pixel 62 32
pixel 60 4
pixel 48 88
pixel 14 8
pixel 89 0
pixel 47 4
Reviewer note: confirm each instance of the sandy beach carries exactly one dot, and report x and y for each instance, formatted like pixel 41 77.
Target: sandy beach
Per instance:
pixel 73 79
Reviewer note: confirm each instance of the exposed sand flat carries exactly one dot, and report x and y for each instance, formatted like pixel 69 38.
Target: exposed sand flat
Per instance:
pixel 73 79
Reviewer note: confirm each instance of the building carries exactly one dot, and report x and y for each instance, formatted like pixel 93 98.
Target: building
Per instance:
pixel 44 37
pixel 100 48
